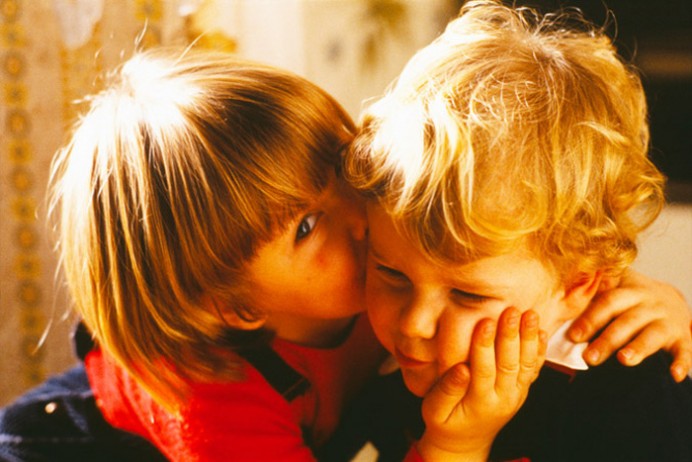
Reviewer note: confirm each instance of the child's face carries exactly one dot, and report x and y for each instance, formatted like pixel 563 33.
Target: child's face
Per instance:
pixel 424 313
pixel 315 269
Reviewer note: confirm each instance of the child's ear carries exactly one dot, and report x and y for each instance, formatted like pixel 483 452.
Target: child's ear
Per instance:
pixel 236 321
pixel 581 289
pixel 233 318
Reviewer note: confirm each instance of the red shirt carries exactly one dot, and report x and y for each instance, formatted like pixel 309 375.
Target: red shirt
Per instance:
pixel 248 419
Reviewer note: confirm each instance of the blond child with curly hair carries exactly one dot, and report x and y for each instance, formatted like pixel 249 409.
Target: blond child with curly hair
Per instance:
pixel 508 177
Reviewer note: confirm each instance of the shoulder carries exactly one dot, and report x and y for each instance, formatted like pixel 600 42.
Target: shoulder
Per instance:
pixel 649 384
pixel 59 421
pixel 611 412
pixel 253 391
pixel 640 397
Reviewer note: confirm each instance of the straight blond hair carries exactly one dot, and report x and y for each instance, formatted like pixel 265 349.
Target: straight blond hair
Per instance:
pixel 180 169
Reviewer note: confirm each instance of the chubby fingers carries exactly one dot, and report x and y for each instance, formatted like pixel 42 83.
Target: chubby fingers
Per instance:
pixel 603 308
pixel 620 332
pixel 482 359
pixel 443 399
pixel 508 349
pixel 506 357
pixel 647 342
pixel 682 359
pixel 533 347
pixel 520 350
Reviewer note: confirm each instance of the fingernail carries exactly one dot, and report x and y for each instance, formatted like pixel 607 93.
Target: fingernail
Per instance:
pixel 531 319
pixel 627 353
pixel 592 356
pixel 513 319
pixel 576 333
pixel 678 372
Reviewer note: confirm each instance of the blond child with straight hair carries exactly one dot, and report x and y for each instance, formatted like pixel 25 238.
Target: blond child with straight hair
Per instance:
pixel 507 175
pixel 216 256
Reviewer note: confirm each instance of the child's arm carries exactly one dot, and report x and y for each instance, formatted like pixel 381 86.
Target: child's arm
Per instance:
pixel 642 315
pixel 470 404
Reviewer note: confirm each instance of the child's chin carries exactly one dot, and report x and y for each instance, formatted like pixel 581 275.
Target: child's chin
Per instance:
pixel 417 385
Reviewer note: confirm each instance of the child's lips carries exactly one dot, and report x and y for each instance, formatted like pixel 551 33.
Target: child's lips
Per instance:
pixel 409 362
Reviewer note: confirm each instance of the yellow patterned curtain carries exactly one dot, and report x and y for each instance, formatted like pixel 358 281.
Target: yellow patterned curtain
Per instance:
pixel 51 53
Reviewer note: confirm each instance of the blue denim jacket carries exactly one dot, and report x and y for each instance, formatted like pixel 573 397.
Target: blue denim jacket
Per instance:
pixel 59 421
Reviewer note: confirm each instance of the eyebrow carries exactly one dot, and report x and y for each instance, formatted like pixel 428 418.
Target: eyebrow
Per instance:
pixel 376 254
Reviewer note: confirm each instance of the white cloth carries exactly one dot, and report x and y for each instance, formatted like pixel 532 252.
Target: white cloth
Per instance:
pixel 564 352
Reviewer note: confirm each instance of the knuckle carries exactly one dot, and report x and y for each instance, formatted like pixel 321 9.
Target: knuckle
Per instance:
pixel 529 364
pixel 484 374
pixel 508 368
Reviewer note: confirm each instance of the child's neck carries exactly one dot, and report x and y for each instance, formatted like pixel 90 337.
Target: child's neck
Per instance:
pixel 311 332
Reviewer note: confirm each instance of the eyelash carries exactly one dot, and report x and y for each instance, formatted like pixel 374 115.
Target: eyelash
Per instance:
pixel 387 270
pixel 469 297
pixel 300 232
pixel 391 274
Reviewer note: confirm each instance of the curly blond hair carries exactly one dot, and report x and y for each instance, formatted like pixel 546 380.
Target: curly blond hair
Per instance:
pixel 512 129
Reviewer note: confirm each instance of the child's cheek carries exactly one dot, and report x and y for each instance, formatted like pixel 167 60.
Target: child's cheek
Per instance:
pixel 322 262
pixel 454 341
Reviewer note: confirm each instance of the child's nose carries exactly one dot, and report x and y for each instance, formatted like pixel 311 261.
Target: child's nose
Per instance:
pixel 419 318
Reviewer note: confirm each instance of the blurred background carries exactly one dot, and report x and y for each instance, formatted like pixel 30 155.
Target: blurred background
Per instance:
pixel 51 52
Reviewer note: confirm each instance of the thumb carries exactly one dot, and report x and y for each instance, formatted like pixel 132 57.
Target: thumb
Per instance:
pixel 446 394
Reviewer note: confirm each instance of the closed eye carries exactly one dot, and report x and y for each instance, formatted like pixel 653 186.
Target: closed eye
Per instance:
pixel 391 273
pixel 461 296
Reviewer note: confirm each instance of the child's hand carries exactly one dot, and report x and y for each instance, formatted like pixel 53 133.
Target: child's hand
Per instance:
pixel 470 404
pixel 645 315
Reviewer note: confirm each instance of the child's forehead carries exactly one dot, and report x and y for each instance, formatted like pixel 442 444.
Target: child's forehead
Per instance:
pixel 389 244
pixel 497 272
